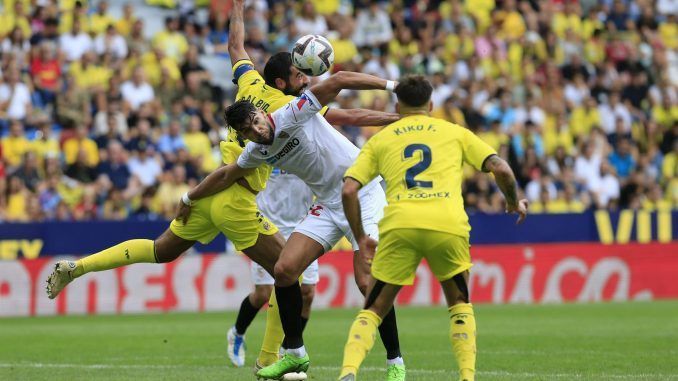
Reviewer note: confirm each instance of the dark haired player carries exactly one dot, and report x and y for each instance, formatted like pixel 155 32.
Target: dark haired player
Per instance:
pixel 421 160
pixel 297 139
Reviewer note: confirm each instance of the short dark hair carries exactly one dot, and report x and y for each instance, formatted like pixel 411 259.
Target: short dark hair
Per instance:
pixel 414 90
pixel 278 66
pixel 239 114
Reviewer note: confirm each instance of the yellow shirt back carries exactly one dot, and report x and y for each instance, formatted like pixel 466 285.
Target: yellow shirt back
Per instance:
pixel 421 158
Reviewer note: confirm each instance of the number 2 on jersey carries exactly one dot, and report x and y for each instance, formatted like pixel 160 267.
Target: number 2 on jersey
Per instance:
pixel 418 168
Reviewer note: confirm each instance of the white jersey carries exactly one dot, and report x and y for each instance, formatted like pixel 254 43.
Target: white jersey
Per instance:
pixel 285 200
pixel 306 145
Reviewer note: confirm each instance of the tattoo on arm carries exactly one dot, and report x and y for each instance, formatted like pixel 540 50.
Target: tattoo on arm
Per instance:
pixel 504 177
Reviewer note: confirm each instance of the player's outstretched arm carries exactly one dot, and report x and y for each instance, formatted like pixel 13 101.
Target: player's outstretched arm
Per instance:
pixel 360 117
pixel 218 180
pixel 506 181
pixel 214 183
pixel 328 89
pixel 236 33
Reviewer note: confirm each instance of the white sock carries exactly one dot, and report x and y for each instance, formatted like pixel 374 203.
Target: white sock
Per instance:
pixel 395 361
pixel 297 352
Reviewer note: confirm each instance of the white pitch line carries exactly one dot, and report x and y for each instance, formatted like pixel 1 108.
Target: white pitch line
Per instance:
pixel 486 373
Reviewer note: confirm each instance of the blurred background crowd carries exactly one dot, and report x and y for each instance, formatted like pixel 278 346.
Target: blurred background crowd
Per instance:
pixel 111 110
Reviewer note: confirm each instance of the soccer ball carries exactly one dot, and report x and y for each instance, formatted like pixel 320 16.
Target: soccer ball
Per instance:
pixel 312 55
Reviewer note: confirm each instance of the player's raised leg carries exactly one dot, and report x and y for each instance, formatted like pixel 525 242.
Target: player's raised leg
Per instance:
pixel 297 255
pixel 165 248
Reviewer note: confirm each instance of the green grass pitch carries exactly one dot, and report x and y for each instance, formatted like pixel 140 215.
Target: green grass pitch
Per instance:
pixel 616 341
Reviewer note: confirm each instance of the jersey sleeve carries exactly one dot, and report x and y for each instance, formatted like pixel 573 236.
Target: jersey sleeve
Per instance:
pixel 229 151
pixel 365 168
pixel 248 159
pixel 244 74
pixel 476 150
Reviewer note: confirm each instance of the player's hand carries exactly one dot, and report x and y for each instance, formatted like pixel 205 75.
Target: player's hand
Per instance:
pixel 520 209
pixel 183 212
pixel 367 246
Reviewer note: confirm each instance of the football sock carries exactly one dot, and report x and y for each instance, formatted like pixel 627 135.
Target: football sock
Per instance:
pixel 290 304
pixel 304 321
pixel 273 335
pixel 298 352
pixel 388 331
pixel 246 314
pixel 463 338
pixel 360 341
pixel 122 254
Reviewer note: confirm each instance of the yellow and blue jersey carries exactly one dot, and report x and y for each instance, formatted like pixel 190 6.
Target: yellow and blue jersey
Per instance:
pixel 421 159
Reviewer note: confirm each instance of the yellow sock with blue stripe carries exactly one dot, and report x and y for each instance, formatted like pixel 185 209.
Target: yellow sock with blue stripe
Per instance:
pixel 463 338
pixel 360 341
pixel 122 254
pixel 273 335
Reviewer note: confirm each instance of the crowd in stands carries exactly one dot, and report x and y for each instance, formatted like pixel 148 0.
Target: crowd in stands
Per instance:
pixel 99 122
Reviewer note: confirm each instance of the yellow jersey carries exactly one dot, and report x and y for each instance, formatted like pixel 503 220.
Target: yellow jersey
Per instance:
pixel 421 159
pixel 252 87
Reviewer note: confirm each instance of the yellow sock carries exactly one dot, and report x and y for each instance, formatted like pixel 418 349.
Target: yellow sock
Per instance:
pixel 463 338
pixel 126 253
pixel 273 336
pixel 360 341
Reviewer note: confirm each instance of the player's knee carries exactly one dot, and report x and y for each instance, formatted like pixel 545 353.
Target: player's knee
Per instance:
pixel 261 295
pixel 363 283
pixel 285 274
pixel 164 253
pixel 307 294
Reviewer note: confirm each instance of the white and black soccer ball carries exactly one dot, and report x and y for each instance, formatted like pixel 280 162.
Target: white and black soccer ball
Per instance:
pixel 312 55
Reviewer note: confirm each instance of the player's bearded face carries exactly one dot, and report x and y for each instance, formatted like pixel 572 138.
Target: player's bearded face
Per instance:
pixel 296 83
pixel 260 130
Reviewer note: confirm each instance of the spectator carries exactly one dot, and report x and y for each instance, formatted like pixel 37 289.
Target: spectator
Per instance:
pixel 373 27
pixel 73 105
pixel 115 167
pixel 170 191
pixel 17 199
pixel 137 91
pixel 46 73
pixel 310 22
pixel 75 43
pixel 28 172
pixel 170 41
pixel 81 144
pixel 111 42
pixel 587 167
pixel 145 166
pixel 15 98
pixel 15 145
pixel 171 141
pixel 81 170
pixel 17 45
pixel 622 159
pixel 100 21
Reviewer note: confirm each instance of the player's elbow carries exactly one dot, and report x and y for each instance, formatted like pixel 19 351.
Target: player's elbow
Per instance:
pixel 340 79
pixel 350 190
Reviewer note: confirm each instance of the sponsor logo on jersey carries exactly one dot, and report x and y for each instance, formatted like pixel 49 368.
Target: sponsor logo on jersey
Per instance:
pixel 287 148
pixel 263 151
pixel 283 135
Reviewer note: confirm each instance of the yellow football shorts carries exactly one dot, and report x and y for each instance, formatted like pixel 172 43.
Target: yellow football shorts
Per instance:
pixel 401 250
pixel 232 212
